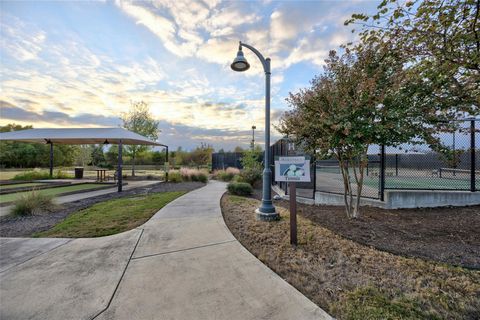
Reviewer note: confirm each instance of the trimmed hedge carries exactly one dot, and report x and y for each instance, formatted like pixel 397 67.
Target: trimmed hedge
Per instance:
pixel 240 188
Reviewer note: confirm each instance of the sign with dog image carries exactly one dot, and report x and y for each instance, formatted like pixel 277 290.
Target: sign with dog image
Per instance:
pixel 292 169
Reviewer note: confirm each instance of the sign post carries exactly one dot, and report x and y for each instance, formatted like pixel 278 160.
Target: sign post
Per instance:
pixel 293 213
pixel 292 170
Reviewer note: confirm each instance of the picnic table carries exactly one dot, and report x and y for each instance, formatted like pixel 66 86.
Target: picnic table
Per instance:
pixel 101 174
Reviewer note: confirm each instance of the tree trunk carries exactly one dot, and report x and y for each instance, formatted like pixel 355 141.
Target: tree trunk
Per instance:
pixel 347 193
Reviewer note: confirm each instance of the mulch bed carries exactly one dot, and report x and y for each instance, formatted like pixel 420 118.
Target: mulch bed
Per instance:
pixel 446 234
pixel 25 226
pixel 351 280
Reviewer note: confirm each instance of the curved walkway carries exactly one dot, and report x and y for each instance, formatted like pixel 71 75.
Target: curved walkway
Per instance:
pixel 182 264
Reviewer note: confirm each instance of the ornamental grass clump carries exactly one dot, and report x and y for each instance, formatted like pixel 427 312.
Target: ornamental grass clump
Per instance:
pixel 33 203
pixel 226 175
pixel 189 174
pixel 174 176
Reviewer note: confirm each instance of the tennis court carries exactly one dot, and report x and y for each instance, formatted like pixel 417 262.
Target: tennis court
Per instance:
pixel 329 179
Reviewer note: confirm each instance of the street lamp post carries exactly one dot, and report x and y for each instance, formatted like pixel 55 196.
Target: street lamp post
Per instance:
pixel 266 212
pixel 253 137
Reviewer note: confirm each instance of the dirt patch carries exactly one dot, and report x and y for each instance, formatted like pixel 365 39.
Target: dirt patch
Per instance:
pixel 350 280
pixel 13 226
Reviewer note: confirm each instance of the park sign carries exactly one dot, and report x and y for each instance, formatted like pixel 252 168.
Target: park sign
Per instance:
pixel 292 169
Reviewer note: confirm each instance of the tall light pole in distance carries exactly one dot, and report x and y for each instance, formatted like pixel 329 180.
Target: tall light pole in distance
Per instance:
pixel 266 212
pixel 253 137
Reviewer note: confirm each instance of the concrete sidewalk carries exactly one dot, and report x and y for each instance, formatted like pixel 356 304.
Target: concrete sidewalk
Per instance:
pixel 182 264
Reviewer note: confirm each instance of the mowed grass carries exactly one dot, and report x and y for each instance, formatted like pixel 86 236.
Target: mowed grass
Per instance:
pixel 110 217
pixel 53 191
pixel 21 185
pixel 9 174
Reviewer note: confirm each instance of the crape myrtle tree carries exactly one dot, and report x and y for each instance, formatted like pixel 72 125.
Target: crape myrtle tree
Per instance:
pixel 363 98
pixel 441 39
pixel 139 119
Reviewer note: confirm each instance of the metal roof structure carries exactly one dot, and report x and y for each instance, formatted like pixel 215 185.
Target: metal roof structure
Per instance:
pixel 78 136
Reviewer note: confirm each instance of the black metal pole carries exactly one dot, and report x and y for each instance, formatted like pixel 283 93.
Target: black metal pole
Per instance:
pixel 472 155
pixel 120 165
pixel 396 164
pixel 314 174
pixel 167 168
pixel 382 173
pixel 51 159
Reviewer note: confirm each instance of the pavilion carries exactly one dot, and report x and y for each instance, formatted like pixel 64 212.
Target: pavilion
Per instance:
pixel 117 136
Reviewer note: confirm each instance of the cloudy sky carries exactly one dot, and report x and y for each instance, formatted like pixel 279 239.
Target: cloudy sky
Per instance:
pixel 80 64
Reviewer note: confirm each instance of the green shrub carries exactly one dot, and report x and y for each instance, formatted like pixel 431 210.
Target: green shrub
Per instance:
pixel 253 176
pixel 42 175
pixel 32 203
pixel 201 176
pixel 240 188
pixel 174 176
pixel 224 176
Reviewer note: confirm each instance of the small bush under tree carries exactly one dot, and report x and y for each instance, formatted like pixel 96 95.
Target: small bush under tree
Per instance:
pixel 240 188
pixel 252 176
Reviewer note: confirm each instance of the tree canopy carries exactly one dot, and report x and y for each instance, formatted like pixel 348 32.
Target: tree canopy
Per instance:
pixel 415 66
pixel 139 120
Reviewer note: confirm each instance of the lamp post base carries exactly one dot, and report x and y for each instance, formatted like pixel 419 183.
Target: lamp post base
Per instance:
pixel 270 216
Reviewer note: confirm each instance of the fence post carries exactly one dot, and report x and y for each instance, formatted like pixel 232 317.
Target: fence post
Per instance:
pixel 396 164
pixel 382 173
pixel 472 155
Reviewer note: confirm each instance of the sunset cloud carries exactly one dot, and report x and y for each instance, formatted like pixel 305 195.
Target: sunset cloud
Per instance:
pixel 82 64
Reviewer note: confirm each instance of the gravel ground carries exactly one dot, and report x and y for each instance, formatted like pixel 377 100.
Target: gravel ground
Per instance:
pixel 18 226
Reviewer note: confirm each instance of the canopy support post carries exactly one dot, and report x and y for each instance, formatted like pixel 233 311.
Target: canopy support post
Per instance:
pixel 51 159
pixel 119 168
pixel 167 167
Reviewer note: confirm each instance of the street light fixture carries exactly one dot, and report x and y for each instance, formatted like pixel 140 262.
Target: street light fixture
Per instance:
pixel 253 137
pixel 266 212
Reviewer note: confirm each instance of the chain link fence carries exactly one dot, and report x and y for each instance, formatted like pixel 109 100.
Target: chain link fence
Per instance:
pixel 411 166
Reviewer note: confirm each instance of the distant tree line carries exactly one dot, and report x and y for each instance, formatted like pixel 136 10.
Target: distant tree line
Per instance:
pixel 31 155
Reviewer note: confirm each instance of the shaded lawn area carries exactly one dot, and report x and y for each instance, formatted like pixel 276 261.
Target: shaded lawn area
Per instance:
pixel 110 217
pixel 54 191
pixel 350 280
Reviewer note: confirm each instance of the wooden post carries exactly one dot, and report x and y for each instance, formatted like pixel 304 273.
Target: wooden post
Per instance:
pixel 120 165
pixel 293 213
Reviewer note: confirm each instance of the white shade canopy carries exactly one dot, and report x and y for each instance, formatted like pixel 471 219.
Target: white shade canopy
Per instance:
pixel 78 136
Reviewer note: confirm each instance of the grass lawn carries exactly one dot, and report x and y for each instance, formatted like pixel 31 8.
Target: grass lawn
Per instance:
pixel 52 191
pixel 21 185
pixel 9 174
pixel 350 280
pixel 110 217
